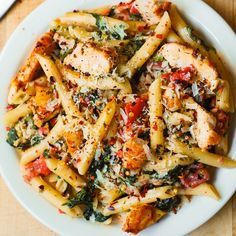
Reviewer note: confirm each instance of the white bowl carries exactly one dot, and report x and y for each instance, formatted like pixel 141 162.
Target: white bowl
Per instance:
pixel 192 215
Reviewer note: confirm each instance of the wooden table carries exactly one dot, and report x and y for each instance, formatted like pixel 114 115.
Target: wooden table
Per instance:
pixel 15 221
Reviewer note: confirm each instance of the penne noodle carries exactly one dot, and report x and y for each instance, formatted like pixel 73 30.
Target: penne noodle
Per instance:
pixel 125 203
pixel 172 37
pixel 156 115
pixel 204 189
pixel 11 117
pixel 61 169
pixel 101 10
pixel 103 83
pixel 205 157
pixel 85 156
pixel 84 36
pixel 54 197
pixel 148 48
pixel 184 31
pixel 223 147
pixel 51 71
pixel 88 20
pixel 30 68
pixel 167 163
pixel 34 152
pixel 225 98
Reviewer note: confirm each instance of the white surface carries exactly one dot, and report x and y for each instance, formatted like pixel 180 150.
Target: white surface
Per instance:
pixel 4 6
pixel 191 215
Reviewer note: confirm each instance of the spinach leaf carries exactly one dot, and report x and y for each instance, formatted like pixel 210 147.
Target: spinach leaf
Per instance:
pixel 169 204
pixel 99 217
pixel 171 177
pixel 82 197
pixel 35 140
pixel 115 32
pixel 12 136
pixel 103 160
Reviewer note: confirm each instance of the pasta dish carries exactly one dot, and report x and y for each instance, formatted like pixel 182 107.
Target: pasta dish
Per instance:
pixel 119 114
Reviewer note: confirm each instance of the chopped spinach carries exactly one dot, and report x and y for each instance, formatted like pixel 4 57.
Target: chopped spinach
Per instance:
pixel 99 217
pixel 158 58
pixel 114 32
pixel 135 17
pixel 85 197
pixel 131 179
pixel 36 139
pixel 192 35
pixel 169 204
pixel 133 46
pixel 171 177
pixel 103 160
pixel 46 153
pixel 12 136
pixel 82 197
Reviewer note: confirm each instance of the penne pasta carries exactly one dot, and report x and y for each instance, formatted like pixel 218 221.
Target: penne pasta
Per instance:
pixel 11 117
pixel 34 152
pixel 88 20
pixel 142 110
pixel 185 32
pixel 226 101
pixel 54 197
pixel 148 48
pixel 61 169
pixel 172 37
pixel 205 157
pixel 85 157
pixel 125 203
pixel 204 189
pixel 166 163
pixel 156 113
pixel 51 71
pixel 29 69
pixel 103 83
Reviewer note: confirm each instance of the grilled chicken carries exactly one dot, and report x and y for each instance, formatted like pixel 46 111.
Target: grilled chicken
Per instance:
pixel 203 131
pixel 140 217
pixel 152 10
pixel 88 58
pixel 180 56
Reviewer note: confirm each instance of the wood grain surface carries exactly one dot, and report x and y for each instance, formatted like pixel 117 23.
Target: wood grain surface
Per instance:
pixel 16 221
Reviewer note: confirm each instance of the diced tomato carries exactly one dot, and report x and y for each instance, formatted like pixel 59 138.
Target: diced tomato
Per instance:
pixel 133 9
pixel 159 36
pixel 44 130
pixel 222 124
pixel 123 6
pixel 60 211
pixel 10 107
pixel 124 10
pixel 183 74
pixel 120 153
pixel 134 109
pixel 53 121
pixel 36 168
pixel 195 175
